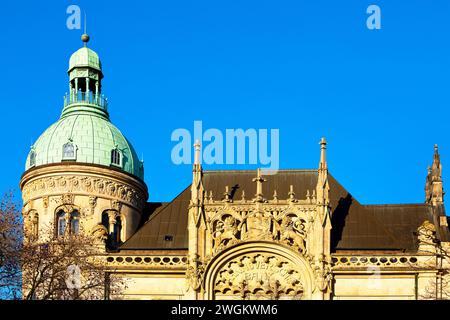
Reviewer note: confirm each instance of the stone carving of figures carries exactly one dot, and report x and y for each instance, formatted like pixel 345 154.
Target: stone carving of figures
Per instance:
pixel 194 273
pixel 258 226
pixel 226 231
pixel 293 232
pixel 322 273
pixel 426 233
pixel 323 279
pixel 99 232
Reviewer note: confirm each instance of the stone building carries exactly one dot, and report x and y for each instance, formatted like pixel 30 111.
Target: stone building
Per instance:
pixel 297 234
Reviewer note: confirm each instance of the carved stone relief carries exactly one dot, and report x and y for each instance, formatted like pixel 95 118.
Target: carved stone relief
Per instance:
pixel 67 185
pixel 231 227
pixel 195 272
pixel 426 233
pixel 99 232
pixel 259 276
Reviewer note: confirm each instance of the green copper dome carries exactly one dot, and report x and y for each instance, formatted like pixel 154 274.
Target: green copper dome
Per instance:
pixel 93 139
pixel 84 132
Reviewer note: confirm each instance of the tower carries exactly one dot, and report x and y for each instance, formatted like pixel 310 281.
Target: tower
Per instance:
pixel 82 174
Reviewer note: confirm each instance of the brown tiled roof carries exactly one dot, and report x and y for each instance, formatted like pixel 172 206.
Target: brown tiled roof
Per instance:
pixel 167 220
pixel 355 226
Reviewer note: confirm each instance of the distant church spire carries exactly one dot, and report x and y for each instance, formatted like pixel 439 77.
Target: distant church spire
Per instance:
pixel 434 191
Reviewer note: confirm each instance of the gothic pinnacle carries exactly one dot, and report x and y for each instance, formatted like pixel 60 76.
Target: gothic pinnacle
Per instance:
pixel 323 158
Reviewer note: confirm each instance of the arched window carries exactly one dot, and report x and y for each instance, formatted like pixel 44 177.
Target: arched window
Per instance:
pixel 67 223
pixel 69 151
pixel 115 226
pixel 61 221
pixel 32 158
pixel 74 222
pixel 116 157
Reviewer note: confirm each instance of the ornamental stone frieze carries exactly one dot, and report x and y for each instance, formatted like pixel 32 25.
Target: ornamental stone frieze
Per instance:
pixel 68 186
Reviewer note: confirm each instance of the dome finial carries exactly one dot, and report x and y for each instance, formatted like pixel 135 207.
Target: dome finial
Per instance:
pixel 85 36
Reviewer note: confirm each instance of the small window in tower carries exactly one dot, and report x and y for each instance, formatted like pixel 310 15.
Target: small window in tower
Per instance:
pixel 69 151
pixel 75 222
pixel 32 158
pixel 61 220
pixel 116 157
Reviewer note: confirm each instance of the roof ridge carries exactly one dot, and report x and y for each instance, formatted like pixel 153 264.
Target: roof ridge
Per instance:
pixel 395 205
pixel 252 171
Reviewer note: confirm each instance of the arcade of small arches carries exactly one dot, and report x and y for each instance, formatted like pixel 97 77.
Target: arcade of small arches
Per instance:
pixel 68 221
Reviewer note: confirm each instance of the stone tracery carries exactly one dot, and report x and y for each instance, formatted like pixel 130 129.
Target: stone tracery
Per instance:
pixel 259 276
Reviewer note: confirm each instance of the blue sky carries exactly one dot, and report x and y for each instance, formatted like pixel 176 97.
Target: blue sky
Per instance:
pixel 307 68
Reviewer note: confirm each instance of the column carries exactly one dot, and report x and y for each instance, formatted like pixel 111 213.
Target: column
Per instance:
pixel 87 90
pixel 68 226
pixel 96 93
pixel 70 92
pixel 112 223
pixel 76 89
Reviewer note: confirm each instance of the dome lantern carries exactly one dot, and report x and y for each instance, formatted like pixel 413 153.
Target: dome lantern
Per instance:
pixel 85 81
